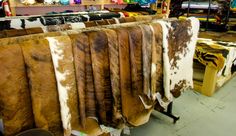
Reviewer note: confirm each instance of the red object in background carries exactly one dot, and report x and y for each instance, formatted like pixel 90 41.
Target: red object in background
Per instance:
pixel 126 14
pixel 164 7
pixel 6 7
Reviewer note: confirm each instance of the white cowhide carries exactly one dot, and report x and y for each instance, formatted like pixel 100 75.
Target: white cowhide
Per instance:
pixel 183 70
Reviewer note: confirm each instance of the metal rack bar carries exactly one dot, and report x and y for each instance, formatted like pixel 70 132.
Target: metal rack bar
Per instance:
pixel 189 1
pixel 208 13
pixel 169 113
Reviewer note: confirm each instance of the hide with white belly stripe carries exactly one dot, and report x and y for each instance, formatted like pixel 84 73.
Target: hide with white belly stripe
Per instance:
pixel 62 57
pixel 44 95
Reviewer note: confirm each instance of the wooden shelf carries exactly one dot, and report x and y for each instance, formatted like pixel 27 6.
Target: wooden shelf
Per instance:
pixel 43 5
pixel 84 3
pixel 15 4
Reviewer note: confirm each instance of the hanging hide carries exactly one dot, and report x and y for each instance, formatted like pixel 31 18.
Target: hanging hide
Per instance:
pixel 147 36
pixel 157 64
pixel 180 53
pixel 62 57
pixel 101 72
pixel 125 76
pixel 2 34
pixel 177 53
pixel 43 88
pixel 127 19
pixel 133 108
pixel 75 26
pixel 143 107
pixel 117 118
pixel 33 22
pixel 15 107
pixel 79 62
pixel 86 93
pixel 93 127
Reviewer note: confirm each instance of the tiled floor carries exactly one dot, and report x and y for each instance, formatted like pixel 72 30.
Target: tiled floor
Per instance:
pixel 199 115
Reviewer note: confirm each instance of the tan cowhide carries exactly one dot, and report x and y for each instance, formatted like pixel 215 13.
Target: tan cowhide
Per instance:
pixel 101 72
pixel 43 88
pixel 15 107
pixel 117 119
pixel 84 79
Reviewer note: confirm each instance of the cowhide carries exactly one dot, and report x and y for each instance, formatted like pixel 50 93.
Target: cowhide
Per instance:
pixel 93 127
pixel 177 53
pixel 217 54
pixel 33 22
pixel 86 94
pixel 117 118
pixel 43 89
pixel 62 57
pixel 15 107
pixel 140 114
pixel 147 42
pixel 34 30
pixel 157 61
pixel 131 93
pixel 101 73
pixel 16 24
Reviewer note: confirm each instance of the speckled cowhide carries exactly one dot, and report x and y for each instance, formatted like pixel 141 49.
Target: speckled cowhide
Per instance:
pixel 177 52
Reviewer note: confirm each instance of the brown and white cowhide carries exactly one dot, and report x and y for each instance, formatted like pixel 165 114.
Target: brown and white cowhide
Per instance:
pixel 98 78
pixel 16 24
pixel 61 51
pixel 178 56
pixel 44 94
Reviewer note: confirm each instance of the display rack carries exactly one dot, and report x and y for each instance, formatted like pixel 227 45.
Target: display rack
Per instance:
pixel 170 114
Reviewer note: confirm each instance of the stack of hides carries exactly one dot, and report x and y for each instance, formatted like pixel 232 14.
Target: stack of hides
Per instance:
pixel 96 80
pixel 40 28
pixel 217 54
pixel 20 22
